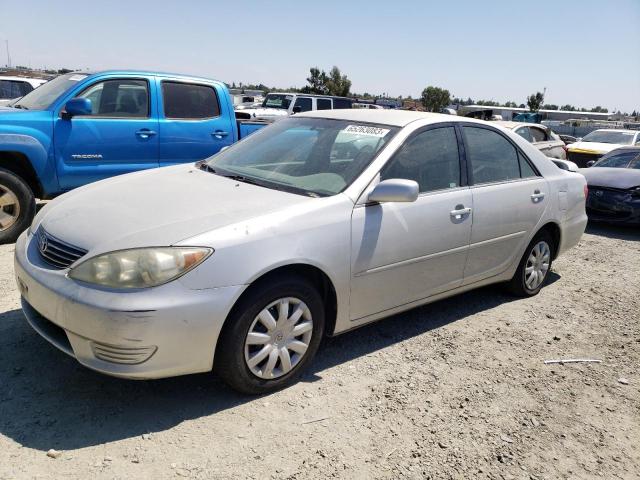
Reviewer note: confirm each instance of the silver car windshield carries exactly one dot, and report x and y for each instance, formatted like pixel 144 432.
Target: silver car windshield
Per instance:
pixel 304 155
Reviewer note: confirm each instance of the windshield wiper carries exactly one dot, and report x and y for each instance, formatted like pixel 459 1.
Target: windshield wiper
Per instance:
pixel 241 178
pixel 22 107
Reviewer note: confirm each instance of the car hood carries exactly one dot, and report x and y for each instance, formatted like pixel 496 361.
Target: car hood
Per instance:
pixel 156 208
pixel 592 147
pixel 622 178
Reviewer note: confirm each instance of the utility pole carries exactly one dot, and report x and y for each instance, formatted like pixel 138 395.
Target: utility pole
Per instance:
pixel 8 55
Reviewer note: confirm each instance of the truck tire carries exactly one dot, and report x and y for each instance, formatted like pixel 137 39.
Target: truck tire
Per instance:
pixel 17 206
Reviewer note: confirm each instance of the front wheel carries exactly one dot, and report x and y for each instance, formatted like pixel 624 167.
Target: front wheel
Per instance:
pixel 534 266
pixel 271 336
pixel 17 206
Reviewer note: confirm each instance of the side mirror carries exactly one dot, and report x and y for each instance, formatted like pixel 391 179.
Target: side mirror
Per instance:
pixel 394 190
pixel 297 109
pixel 591 163
pixel 78 106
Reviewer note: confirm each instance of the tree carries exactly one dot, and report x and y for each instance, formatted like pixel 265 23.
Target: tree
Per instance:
pixel 534 101
pixel 434 99
pixel 317 82
pixel 568 108
pixel 337 83
pixel 599 109
pixel 549 106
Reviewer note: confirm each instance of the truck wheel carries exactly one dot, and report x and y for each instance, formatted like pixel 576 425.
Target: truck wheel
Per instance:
pixel 17 206
pixel 271 336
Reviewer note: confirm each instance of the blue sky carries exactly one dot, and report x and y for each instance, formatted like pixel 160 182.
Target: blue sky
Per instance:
pixel 586 53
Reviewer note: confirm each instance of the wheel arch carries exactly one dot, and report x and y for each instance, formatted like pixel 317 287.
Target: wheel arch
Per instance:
pixel 554 230
pixel 20 165
pixel 314 274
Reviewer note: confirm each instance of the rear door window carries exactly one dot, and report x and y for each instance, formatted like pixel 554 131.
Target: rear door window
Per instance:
pixel 341 103
pixel 323 104
pixel 13 89
pixel 189 101
pixel 493 158
pixel 304 103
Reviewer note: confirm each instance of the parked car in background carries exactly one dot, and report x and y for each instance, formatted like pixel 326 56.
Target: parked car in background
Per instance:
pixel 278 105
pixel 320 223
pixel 16 87
pixel 82 127
pixel 595 144
pixel 568 139
pixel 539 136
pixel 371 106
pixel 614 187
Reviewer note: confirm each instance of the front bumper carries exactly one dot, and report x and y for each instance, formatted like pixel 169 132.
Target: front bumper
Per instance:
pixel 152 333
pixel 613 206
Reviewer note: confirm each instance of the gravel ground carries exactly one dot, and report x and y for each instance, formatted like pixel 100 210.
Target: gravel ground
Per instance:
pixel 457 389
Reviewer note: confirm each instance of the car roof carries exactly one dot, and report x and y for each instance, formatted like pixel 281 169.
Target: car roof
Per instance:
pixel 512 125
pixel 630 148
pixel 308 95
pixel 146 73
pixel 397 118
pixel 23 79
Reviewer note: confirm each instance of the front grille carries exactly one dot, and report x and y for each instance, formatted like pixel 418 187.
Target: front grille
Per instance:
pixel 55 252
pixel 581 159
pixel 121 354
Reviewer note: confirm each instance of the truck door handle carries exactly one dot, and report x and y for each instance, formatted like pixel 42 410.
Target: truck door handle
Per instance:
pixel 537 196
pixel 145 133
pixel 220 134
pixel 459 212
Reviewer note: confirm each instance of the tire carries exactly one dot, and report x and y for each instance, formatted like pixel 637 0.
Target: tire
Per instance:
pixel 17 206
pixel 234 355
pixel 519 285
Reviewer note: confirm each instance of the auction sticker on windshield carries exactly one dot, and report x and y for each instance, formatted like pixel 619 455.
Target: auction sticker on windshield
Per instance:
pixel 366 130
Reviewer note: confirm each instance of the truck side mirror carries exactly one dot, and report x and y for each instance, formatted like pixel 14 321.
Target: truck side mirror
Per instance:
pixel 297 109
pixel 78 106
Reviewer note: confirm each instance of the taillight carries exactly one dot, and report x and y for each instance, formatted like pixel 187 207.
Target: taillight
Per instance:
pixel 586 191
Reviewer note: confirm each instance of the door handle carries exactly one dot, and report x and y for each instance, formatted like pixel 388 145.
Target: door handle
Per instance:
pixel 220 134
pixel 537 196
pixel 459 212
pixel 145 133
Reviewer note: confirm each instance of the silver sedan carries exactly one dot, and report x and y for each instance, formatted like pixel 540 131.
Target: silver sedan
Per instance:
pixel 313 226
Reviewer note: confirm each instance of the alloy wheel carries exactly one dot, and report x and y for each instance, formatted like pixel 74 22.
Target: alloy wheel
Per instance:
pixel 278 338
pixel 9 208
pixel 537 266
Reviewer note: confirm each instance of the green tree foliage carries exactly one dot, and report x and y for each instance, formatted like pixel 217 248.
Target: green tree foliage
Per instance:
pixel 599 109
pixel 534 101
pixel 337 83
pixel 569 108
pixel 434 99
pixel 549 106
pixel 317 82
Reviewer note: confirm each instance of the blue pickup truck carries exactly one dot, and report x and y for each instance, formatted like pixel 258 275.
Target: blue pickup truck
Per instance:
pixel 83 127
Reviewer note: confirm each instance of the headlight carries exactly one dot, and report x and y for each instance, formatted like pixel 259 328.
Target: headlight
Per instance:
pixel 140 267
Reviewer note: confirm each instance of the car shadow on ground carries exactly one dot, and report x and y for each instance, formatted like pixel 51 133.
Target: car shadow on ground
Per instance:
pixel 619 232
pixel 48 400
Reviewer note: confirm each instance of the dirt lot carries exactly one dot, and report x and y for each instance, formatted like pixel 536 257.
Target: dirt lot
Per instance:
pixel 457 389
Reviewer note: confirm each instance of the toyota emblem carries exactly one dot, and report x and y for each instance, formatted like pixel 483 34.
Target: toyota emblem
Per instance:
pixel 43 243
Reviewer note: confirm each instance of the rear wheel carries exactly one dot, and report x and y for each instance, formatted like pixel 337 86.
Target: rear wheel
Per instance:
pixel 17 206
pixel 271 336
pixel 534 266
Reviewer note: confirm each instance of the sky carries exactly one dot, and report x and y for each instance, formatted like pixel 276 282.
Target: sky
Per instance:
pixel 585 53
